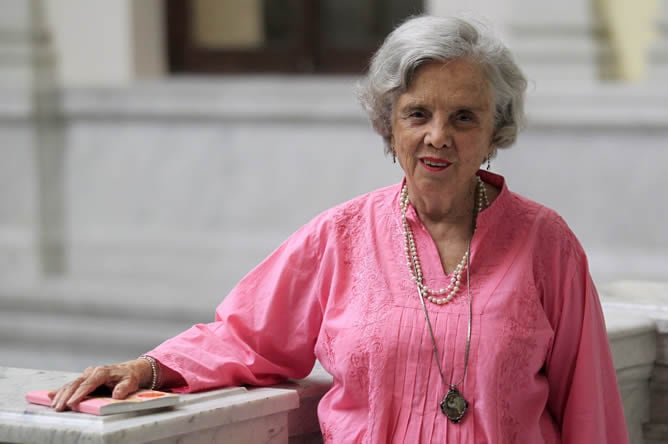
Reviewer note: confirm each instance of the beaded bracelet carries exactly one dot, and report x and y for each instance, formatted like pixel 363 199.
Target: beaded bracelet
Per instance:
pixel 155 371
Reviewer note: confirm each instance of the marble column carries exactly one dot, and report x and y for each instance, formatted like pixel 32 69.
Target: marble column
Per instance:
pixel 32 146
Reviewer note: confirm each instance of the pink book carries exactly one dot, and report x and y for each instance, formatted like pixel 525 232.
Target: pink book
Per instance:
pixel 105 405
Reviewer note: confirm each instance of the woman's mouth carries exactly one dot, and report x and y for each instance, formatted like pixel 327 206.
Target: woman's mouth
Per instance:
pixel 433 164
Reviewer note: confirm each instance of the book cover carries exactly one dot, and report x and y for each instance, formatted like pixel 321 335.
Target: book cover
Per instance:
pixel 106 405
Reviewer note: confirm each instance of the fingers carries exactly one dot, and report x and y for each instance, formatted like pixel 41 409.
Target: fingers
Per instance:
pixel 99 376
pixel 63 395
pixel 118 377
pixel 72 392
pixel 62 392
pixel 124 388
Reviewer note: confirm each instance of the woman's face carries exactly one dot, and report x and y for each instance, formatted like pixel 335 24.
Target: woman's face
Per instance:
pixel 442 128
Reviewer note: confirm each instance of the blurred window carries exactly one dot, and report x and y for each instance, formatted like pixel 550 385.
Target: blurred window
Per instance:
pixel 289 36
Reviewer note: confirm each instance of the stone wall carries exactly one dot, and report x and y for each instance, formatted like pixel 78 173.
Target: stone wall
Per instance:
pixel 164 195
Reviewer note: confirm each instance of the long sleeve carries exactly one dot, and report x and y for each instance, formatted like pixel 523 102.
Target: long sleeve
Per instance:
pixel 583 392
pixel 265 329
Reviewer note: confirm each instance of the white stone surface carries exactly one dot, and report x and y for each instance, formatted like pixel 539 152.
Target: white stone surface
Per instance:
pixel 26 81
pixel 80 28
pixel 633 345
pixel 632 338
pixel 256 415
pixel 23 45
pixel 648 299
pixel 18 210
pixel 209 197
pixel 172 177
pixel 174 190
pixel 72 324
pixel 581 156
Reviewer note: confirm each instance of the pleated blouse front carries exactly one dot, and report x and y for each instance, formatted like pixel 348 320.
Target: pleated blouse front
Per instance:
pixel 340 290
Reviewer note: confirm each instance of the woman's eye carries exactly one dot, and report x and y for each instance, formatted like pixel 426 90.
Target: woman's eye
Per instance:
pixel 465 117
pixel 417 115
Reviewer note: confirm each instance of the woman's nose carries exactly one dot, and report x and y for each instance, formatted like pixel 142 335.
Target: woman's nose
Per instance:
pixel 439 135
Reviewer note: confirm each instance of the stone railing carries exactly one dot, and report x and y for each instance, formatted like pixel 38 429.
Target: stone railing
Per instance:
pixel 630 300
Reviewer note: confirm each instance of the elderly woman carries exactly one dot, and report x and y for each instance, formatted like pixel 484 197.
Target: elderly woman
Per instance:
pixel 446 307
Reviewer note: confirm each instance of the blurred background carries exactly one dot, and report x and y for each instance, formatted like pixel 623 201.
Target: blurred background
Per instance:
pixel 152 152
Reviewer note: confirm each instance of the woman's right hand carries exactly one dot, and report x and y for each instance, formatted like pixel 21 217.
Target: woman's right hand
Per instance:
pixel 123 379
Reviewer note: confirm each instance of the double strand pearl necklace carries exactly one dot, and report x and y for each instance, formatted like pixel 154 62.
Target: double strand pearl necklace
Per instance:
pixel 413 261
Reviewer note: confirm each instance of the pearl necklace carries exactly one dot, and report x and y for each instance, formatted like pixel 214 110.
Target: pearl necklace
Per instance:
pixel 413 261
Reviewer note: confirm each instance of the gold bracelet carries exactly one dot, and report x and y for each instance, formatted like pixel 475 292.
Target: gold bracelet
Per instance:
pixel 155 371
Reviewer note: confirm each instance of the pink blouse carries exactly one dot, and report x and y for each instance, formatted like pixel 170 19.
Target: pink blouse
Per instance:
pixel 339 290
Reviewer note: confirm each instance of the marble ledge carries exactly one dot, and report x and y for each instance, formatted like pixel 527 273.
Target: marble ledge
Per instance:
pixel 632 340
pixel 649 298
pixel 260 413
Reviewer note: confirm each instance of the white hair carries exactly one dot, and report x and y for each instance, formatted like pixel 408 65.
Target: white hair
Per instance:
pixel 424 39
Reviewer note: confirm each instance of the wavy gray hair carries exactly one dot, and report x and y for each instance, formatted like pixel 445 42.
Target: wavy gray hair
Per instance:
pixel 424 39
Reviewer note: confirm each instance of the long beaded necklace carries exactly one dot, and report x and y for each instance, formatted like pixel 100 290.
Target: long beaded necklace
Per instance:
pixel 414 262
pixel 453 405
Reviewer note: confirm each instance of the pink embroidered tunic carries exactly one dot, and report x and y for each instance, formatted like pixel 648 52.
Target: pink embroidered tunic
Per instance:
pixel 339 290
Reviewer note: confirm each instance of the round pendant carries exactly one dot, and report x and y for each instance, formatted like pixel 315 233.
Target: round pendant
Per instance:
pixel 454 405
